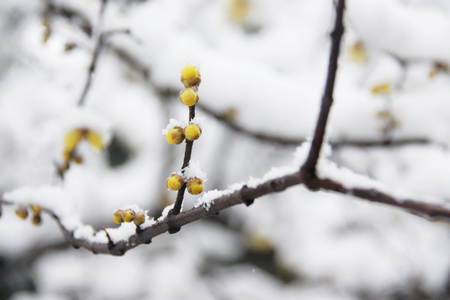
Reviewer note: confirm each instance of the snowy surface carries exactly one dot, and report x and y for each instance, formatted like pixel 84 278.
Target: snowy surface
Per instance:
pixel 269 69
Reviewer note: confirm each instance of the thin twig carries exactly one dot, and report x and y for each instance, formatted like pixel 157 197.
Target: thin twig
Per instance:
pixel 180 195
pixel 309 168
pixel 92 66
pixel 95 55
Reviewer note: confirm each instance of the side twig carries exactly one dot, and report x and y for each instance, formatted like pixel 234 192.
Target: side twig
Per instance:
pixel 97 49
pixel 308 170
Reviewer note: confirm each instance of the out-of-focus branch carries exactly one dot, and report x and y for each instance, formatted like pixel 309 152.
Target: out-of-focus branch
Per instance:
pixel 167 92
pixel 309 168
pixel 97 49
pixel 242 130
pixel 286 141
pixel 70 14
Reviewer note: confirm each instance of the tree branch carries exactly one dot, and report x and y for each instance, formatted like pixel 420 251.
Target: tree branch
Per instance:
pixel 309 168
pixel 246 195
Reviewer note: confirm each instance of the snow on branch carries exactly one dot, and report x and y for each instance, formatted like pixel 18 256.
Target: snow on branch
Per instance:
pixel 117 241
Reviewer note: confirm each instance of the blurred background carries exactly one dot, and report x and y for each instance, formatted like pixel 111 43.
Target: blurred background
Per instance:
pixel 263 66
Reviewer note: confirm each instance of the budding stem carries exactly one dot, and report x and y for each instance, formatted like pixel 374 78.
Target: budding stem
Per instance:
pixel 187 157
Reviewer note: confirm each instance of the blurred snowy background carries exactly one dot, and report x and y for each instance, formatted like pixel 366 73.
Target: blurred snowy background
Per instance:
pixel 263 66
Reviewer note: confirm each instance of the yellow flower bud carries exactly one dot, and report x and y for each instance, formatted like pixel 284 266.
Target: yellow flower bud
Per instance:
pixel 194 186
pixel 239 11
pixel 357 52
pixel 95 139
pixel 36 209
pixel 259 243
pixel 175 135
pixel 189 96
pixel 22 212
pixel 139 219
pixel 174 182
pixel 190 75
pixel 118 217
pixel 384 88
pixel 36 220
pixel 72 139
pixel 47 30
pixel 128 215
pixel 192 132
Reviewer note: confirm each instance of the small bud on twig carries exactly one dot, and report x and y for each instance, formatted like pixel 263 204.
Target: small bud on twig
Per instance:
pixel 36 209
pixel 174 182
pixel 190 76
pixel 192 132
pixel 194 186
pixel 36 220
pixel 128 216
pixel 22 212
pixel 139 219
pixel 189 96
pixel 118 217
pixel 175 135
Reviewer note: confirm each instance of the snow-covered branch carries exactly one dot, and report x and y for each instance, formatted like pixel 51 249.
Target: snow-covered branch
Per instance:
pixel 117 241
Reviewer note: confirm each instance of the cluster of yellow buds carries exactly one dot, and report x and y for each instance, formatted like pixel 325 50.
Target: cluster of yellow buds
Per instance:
pixel 191 79
pixel 193 185
pixel 72 139
pixel 22 212
pixel 177 134
pixel 129 216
